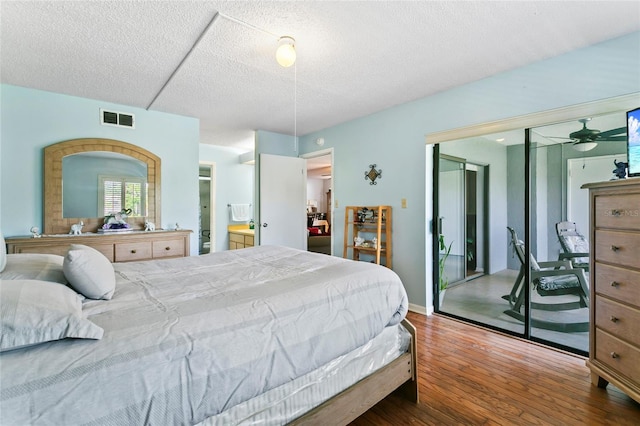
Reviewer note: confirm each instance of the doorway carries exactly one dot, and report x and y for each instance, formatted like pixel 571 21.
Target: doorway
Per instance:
pixel 206 216
pixel 319 204
pixel 320 196
pixel 462 189
pixel 477 184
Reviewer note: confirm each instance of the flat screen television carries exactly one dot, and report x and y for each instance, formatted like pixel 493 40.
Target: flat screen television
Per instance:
pixel 633 141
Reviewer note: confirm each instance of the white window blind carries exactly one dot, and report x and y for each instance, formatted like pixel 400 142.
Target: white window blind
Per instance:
pixel 122 192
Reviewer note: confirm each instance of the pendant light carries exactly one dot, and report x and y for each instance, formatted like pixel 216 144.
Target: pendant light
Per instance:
pixel 286 52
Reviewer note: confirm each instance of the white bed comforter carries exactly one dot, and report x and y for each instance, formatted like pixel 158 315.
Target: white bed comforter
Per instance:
pixel 186 339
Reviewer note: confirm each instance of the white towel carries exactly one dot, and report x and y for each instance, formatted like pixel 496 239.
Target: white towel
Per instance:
pixel 240 212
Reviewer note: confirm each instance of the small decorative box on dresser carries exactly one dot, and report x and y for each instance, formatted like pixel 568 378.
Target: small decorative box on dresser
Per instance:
pixel 614 352
pixel 117 247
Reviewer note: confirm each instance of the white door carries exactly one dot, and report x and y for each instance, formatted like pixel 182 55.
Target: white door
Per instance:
pixel 581 171
pixel 283 201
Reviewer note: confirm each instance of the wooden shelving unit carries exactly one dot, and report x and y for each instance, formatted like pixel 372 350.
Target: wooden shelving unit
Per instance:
pixel 367 223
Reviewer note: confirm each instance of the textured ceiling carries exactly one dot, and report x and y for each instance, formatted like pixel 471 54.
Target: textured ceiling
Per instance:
pixel 354 58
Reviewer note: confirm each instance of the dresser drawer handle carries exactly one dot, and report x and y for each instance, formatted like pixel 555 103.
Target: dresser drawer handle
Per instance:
pixel 167 248
pixel 616 213
pixel 614 319
pixel 133 251
pixel 615 248
pixel 614 355
pixel 615 283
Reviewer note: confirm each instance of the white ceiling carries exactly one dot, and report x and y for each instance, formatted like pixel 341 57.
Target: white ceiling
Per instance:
pixel 354 58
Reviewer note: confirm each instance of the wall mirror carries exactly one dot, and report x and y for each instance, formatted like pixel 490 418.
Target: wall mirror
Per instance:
pixel 77 172
pixel 99 183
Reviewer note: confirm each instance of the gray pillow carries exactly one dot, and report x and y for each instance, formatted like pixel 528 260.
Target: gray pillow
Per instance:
pixel 33 266
pixel 89 272
pixel 41 311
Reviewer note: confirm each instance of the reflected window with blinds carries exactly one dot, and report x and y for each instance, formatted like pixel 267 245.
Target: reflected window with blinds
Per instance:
pixel 122 192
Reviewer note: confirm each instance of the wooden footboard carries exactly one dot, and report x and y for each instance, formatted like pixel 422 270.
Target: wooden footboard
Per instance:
pixel 401 375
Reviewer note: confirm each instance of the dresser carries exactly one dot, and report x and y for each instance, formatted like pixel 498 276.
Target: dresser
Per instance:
pixel 120 247
pixel 614 351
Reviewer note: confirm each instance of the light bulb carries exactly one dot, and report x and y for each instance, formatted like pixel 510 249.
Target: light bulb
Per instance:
pixel 286 52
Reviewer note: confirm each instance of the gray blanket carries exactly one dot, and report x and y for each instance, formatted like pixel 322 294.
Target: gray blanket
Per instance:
pixel 185 339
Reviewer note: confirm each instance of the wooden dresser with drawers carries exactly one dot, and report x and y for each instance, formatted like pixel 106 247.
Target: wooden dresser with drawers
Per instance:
pixel 117 247
pixel 614 348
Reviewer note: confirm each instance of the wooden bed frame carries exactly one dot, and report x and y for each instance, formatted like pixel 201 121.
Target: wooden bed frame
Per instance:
pixel 401 375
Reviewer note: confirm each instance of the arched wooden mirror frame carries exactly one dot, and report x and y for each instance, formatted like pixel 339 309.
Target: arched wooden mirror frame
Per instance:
pixel 55 222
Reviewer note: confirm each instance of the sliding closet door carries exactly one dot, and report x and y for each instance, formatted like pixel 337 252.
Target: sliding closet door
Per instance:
pixel 480 192
pixel 560 166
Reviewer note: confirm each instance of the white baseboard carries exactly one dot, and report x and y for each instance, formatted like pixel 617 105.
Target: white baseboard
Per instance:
pixel 420 309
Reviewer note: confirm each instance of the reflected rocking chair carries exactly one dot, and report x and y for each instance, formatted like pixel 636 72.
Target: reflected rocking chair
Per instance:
pixel 549 279
pixel 574 245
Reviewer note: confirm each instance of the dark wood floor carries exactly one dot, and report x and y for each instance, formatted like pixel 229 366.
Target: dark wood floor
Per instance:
pixel 472 376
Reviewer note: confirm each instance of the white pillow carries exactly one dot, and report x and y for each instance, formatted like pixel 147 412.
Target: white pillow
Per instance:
pixel 3 253
pixel 34 266
pixel 40 311
pixel 89 272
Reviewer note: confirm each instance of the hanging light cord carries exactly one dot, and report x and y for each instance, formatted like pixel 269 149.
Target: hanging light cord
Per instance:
pixel 295 103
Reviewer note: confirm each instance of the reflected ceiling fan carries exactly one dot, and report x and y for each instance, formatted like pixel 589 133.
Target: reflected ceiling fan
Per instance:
pixel 586 139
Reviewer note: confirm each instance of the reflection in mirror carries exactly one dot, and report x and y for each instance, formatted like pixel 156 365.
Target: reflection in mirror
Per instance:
pixel 480 192
pixel 533 192
pixel 101 183
pixel 564 157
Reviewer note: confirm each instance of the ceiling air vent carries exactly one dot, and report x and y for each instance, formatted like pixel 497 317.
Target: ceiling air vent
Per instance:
pixel 119 119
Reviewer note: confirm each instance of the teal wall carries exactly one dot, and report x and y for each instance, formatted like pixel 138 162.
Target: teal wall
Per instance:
pixel 394 139
pixel 234 183
pixel 32 119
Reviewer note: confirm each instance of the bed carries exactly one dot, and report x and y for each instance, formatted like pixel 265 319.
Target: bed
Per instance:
pixel 263 335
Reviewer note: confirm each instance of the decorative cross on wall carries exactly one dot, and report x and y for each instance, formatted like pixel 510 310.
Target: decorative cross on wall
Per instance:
pixel 373 174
